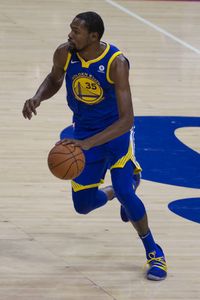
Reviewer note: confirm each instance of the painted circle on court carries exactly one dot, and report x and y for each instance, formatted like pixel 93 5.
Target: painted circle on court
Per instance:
pixel 186 208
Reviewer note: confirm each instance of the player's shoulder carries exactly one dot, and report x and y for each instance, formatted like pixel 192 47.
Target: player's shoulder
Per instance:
pixel 119 68
pixel 63 47
pixel 61 54
pixel 120 61
pixel 120 58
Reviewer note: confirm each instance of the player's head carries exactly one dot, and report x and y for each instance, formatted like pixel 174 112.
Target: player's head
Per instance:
pixel 86 28
pixel 93 22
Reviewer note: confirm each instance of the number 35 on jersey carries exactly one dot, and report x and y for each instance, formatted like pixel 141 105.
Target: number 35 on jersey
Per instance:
pixel 87 89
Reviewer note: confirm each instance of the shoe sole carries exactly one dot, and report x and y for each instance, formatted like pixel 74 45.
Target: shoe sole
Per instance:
pixel 155 278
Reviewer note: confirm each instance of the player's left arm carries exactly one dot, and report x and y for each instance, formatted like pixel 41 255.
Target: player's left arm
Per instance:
pixel 119 74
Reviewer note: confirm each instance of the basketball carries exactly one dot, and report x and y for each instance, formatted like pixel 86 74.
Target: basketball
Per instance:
pixel 66 161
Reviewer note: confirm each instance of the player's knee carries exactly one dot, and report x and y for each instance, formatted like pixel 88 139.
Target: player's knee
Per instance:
pixel 80 209
pixel 123 192
pixel 82 201
pixel 79 204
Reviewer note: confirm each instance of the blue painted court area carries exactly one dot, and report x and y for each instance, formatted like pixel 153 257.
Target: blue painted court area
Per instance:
pixel 163 157
pixel 187 208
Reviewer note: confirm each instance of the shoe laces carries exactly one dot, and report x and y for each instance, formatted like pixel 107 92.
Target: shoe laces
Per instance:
pixel 158 262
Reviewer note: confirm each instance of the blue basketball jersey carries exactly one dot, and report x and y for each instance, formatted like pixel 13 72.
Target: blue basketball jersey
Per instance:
pixel 91 92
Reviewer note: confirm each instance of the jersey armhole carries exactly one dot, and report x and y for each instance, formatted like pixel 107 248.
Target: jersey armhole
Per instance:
pixel 69 55
pixel 109 64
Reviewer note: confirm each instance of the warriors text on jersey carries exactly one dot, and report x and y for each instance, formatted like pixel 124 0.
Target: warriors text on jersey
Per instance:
pixel 91 92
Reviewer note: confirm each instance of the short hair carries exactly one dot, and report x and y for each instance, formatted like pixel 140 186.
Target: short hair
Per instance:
pixel 93 22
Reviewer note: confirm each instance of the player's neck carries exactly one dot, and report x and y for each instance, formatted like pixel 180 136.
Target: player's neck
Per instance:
pixel 93 51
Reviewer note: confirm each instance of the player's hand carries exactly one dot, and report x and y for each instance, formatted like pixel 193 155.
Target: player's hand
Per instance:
pixel 80 143
pixel 30 108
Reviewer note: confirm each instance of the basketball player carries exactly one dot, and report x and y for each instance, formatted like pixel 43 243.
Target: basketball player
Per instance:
pixel 98 93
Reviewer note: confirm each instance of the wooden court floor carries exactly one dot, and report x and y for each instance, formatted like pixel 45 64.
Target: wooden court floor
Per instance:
pixel 47 251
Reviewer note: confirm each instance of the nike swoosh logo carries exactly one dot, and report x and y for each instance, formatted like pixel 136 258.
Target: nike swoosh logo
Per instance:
pixel 74 61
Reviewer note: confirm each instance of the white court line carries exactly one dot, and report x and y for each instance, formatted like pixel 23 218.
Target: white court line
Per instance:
pixel 154 26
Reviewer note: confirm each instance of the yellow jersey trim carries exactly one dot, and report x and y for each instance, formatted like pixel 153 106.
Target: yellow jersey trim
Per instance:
pixel 124 159
pixel 79 187
pixel 86 64
pixel 109 64
pixel 69 55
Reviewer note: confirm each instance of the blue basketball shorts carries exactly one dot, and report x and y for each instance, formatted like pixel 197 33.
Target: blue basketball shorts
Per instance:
pixel 111 155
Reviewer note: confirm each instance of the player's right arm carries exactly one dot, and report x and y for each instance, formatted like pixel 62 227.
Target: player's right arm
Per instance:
pixel 51 84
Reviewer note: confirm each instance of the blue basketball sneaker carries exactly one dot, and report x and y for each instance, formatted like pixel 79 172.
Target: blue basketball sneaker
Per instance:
pixel 157 265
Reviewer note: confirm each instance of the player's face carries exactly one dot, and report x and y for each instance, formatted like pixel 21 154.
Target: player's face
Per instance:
pixel 79 37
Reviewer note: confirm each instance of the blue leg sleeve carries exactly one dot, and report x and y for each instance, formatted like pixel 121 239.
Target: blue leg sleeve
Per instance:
pixel 88 200
pixel 122 180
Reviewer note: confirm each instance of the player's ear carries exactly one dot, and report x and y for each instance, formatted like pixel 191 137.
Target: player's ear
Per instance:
pixel 94 36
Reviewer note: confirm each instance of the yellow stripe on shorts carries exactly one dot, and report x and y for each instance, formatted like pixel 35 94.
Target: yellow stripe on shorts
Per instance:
pixel 79 187
pixel 124 159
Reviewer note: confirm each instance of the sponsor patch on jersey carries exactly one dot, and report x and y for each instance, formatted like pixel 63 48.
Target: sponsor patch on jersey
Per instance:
pixel 101 69
pixel 87 89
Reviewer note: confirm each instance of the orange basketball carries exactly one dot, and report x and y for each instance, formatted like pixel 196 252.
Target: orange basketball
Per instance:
pixel 66 161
